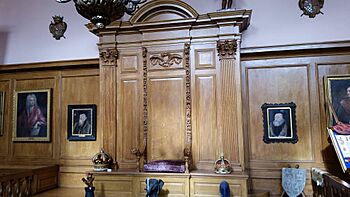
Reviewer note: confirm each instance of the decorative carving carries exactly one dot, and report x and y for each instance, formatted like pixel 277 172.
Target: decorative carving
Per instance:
pixel 311 7
pixel 188 94
pixel 166 59
pixel 145 103
pixel 227 49
pixel 89 181
pixel 188 159
pixel 109 57
pixel 58 27
pixel 187 150
pixel 138 154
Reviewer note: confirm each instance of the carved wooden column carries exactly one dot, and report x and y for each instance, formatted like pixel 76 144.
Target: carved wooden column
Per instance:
pixel 230 109
pixel 108 105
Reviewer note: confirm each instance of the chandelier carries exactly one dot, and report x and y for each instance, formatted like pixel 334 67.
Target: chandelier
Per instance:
pixel 103 12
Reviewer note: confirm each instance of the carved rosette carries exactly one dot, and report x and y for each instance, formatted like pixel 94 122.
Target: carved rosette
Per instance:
pixel 109 57
pixel 227 49
pixel 166 60
pixel 188 94
pixel 145 104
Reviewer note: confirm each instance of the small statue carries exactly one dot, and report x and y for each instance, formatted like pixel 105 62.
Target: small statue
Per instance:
pixel 153 187
pixel 89 190
pixel 58 27
pixel 226 4
pixel 89 180
pixel 223 166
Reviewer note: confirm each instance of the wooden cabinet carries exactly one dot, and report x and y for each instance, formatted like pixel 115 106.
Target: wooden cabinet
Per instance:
pixel 110 184
pixel 170 81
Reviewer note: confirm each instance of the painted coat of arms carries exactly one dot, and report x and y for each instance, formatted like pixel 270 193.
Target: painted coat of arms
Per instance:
pixel 57 27
pixel 293 181
pixel 311 7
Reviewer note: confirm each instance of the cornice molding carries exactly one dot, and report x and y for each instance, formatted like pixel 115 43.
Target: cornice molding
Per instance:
pixel 240 18
pixel 53 65
pixel 296 50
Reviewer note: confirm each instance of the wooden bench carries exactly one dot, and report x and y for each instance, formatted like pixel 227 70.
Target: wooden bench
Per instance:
pixel 27 180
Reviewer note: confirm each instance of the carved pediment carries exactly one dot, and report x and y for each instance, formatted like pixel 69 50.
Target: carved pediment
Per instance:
pixel 163 10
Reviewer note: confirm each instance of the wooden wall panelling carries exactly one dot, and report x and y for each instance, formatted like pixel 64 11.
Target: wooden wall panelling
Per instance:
pixel 173 186
pixel 166 102
pixel 283 79
pixel 166 118
pixel 108 90
pixel 329 68
pixel 229 127
pixel 7 129
pixel 229 102
pixel 39 152
pixel 204 99
pixel 210 186
pixel 276 84
pixel 79 88
pixel 129 105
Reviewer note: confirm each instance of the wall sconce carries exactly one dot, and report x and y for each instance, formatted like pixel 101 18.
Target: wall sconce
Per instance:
pixel 103 12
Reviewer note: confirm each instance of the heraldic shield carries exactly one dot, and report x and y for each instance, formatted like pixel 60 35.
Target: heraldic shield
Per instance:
pixel 293 181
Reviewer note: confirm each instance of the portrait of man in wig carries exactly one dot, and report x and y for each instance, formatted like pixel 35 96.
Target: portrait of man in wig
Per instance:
pixel 31 122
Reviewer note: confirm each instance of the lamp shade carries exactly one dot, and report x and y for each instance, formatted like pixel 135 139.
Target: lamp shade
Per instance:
pixel 103 12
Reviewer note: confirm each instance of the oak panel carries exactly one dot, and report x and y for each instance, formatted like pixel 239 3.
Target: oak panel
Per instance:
pixel 7 129
pixel 166 135
pixel 210 186
pixel 228 111
pixel 172 186
pixel 206 122
pixel 279 85
pixel 129 133
pixel 205 58
pixel 129 63
pixel 78 90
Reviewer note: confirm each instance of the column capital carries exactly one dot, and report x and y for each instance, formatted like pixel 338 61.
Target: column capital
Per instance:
pixel 109 56
pixel 226 49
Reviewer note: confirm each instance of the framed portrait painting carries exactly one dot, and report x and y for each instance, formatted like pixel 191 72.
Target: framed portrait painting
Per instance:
pixel 31 121
pixel 2 111
pixel 337 93
pixel 279 123
pixel 81 122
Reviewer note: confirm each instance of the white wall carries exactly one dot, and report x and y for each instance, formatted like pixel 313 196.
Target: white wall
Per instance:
pixel 24 34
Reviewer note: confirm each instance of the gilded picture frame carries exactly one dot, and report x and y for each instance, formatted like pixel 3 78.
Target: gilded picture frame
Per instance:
pixel 81 122
pixel 337 91
pixel 2 112
pixel 279 123
pixel 31 115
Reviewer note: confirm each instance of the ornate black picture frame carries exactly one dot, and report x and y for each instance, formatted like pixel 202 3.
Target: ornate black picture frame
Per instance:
pixel 81 123
pixel 279 123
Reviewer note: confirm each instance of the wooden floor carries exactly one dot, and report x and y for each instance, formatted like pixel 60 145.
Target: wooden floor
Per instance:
pixel 62 192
